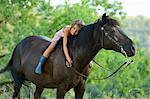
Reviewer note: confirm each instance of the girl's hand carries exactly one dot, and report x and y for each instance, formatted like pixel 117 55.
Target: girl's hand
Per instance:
pixel 69 62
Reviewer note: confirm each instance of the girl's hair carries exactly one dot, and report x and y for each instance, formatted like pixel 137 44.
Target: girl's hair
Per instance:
pixel 80 23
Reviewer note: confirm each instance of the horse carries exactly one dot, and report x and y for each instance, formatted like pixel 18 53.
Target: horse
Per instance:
pixel 104 33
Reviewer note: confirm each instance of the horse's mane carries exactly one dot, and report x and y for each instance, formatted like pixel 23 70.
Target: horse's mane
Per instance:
pixel 112 22
pixel 85 36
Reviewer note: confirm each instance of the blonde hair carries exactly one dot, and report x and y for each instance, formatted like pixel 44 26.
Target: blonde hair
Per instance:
pixel 80 23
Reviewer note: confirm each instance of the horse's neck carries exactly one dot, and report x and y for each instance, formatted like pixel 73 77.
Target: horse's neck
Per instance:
pixel 85 50
pixel 83 57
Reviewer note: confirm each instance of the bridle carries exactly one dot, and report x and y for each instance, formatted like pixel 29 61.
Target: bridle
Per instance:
pixel 127 62
pixel 104 33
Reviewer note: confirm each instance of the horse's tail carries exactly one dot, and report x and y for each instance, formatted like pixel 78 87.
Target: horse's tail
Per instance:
pixel 7 66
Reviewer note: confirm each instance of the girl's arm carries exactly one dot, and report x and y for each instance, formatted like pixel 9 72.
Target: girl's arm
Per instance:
pixel 65 40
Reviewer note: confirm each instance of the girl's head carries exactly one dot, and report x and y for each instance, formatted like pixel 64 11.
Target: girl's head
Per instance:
pixel 76 26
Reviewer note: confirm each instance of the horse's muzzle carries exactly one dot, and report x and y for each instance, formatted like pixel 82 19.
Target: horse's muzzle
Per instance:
pixel 131 51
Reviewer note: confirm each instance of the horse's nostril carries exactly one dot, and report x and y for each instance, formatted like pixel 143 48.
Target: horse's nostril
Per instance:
pixel 133 49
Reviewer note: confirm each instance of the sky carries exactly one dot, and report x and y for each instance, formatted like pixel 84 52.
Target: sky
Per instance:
pixel 137 7
pixel 131 7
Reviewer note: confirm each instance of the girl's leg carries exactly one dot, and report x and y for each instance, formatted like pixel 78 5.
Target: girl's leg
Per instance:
pixel 49 49
pixel 44 57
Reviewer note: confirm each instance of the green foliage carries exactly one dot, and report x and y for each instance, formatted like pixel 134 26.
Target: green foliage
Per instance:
pixel 123 83
pixel 22 18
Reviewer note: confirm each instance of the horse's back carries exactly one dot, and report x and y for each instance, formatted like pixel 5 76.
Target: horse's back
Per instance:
pixel 35 40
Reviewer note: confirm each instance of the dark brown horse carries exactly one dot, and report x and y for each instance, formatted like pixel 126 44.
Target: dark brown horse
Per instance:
pixel 105 33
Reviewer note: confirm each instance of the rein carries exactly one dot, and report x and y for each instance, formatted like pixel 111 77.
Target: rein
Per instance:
pixel 80 74
pixel 126 62
pixel 84 76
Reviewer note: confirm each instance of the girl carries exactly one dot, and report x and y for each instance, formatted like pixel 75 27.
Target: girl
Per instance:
pixel 65 33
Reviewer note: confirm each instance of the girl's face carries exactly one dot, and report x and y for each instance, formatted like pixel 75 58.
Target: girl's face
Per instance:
pixel 74 30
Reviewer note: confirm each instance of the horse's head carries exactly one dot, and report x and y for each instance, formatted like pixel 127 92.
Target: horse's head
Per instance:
pixel 113 37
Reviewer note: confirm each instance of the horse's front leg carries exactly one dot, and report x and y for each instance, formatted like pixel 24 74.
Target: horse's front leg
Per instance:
pixel 38 92
pixel 61 91
pixel 79 90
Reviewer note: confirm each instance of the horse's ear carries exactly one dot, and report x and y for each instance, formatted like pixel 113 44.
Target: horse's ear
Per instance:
pixel 104 15
pixel 104 18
